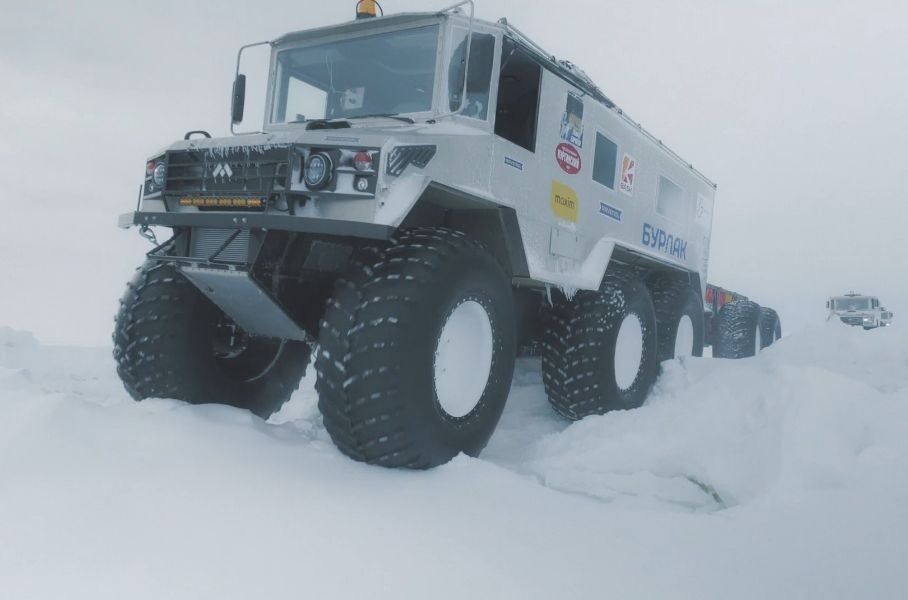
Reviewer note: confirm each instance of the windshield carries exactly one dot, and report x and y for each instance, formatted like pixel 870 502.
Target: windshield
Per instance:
pixel 852 303
pixel 385 74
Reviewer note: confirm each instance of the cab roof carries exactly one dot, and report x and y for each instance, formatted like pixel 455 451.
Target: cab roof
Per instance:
pixel 359 25
pixel 562 68
pixel 565 69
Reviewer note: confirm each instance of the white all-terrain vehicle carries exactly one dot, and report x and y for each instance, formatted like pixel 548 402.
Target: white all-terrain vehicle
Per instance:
pixel 858 310
pixel 430 194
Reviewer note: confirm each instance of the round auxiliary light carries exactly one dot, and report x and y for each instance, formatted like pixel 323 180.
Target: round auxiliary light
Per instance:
pixel 158 174
pixel 361 184
pixel 318 171
pixel 362 161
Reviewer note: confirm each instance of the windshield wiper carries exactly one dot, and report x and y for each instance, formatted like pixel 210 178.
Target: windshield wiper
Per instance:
pixel 344 122
pixel 385 115
pixel 327 124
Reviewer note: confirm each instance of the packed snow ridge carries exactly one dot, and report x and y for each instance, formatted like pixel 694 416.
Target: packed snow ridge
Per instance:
pixel 780 476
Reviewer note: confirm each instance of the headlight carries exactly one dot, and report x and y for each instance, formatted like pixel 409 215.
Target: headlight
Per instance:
pixel 158 175
pixel 318 171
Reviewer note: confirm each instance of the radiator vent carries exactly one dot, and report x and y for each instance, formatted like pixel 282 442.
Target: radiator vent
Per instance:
pixel 231 171
pixel 205 243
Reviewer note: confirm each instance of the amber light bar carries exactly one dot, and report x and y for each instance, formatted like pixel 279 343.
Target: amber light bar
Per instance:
pixel 227 202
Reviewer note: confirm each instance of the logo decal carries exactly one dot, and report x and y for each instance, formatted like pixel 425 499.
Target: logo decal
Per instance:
pixel 664 242
pixel 572 120
pixel 564 201
pixel 568 158
pixel 222 170
pixel 610 211
pixel 628 174
pixel 513 163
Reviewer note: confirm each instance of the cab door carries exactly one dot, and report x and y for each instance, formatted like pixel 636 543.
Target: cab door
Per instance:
pixel 472 100
pixel 515 173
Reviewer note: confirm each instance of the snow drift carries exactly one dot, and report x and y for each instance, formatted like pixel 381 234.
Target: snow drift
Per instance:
pixel 775 477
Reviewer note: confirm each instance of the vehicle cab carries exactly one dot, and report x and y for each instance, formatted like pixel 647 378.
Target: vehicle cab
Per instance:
pixel 856 309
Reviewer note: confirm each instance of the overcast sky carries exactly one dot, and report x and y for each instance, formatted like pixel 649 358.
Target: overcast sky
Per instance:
pixel 798 109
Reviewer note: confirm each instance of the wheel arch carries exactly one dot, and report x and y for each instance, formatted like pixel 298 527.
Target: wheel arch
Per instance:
pixel 649 268
pixel 493 225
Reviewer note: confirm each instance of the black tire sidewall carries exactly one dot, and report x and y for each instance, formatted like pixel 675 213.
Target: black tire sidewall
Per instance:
pixel 263 395
pixel 736 329
pixel 770 327
pixel 636 302
pixel 470 276
pixel 689 305
pixel 376 369
pixel 181 325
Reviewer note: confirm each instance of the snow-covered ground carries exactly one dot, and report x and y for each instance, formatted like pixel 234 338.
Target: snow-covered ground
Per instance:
pixel 783 476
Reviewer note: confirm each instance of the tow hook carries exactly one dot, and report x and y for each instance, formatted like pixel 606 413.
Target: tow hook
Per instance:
pixel 146 232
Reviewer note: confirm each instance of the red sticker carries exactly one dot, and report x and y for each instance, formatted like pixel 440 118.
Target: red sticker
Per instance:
pixel 568 158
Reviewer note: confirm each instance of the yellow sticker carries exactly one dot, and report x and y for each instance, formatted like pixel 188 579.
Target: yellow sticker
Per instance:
pixel 564 201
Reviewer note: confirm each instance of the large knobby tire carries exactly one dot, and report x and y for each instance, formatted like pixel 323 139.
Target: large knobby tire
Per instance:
pixel 599 348
pixel 417 351
pixel 770 327
pixel 679 318
pixel 738 332
pixel 170 341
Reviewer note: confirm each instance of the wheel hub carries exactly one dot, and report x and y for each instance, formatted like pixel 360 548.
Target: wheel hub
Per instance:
pixel 229 340
pixel 628 351
pixel 684 338
pixel 463 358
pixel 245 358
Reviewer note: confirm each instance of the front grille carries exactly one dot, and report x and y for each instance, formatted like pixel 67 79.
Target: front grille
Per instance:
pixel 204 244
pixel 853 320
pixel 250 171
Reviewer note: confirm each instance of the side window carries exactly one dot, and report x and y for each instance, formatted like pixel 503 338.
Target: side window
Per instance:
pixel 518 97
pixel 672 201
pixel 604 161
pixel 479 75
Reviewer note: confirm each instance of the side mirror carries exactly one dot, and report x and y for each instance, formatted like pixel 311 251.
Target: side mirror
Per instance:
pixel 239 99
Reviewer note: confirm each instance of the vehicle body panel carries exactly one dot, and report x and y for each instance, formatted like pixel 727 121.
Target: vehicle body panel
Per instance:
pixel 569 223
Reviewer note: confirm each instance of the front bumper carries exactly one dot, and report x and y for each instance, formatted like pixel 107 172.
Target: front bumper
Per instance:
pixel 855 320
pixel 257 221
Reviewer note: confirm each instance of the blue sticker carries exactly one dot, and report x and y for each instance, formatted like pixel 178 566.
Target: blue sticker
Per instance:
pixel 610 211
pixel 664 242
pixel 513 163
